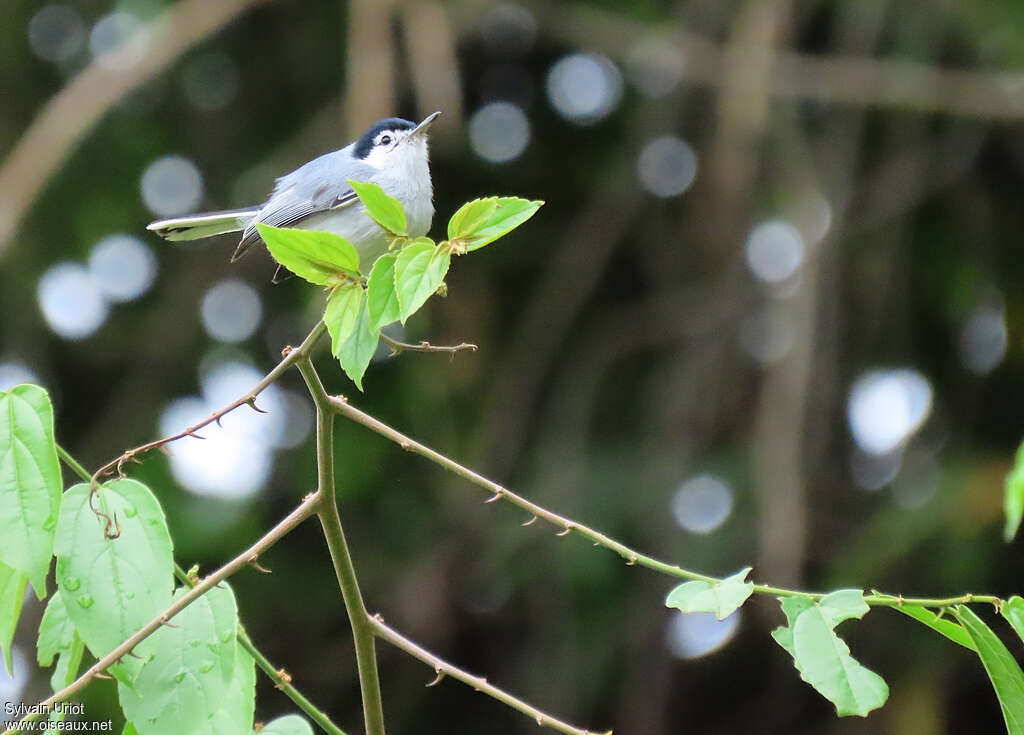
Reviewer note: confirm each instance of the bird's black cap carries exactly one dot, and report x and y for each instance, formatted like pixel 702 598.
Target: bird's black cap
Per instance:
pixel 365 143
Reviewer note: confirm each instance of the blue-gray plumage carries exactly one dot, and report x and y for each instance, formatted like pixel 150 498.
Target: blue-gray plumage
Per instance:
pixel 392 153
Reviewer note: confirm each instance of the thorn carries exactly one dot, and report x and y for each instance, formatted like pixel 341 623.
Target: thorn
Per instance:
pixel 217 419
pixel 405 445
pixel 253 562
pixel 164 620
pixel 101 675
pixel 253 406
pixel 540 720
pixel 497 496
pixel 565 532
pixel 283 679
pixel 341 398
pixel 378 617
pixel 437 679
pixel 193 434
pixel 631 562
pixel 134 655
pixel 287 350
pixel 164 450
pixel 530 522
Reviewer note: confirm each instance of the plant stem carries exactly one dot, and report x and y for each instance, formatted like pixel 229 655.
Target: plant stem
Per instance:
pixel 443 668
pixel 362 627
pixel 283 683
pixel 71 462
pixel 632 557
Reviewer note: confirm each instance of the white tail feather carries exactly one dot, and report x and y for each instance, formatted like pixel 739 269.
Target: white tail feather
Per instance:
pixel 196 226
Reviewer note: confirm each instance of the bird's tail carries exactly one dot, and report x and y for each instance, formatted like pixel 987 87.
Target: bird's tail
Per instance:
pixel 195 226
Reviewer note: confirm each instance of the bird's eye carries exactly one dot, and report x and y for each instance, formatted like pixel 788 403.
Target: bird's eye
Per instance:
pixel 385 140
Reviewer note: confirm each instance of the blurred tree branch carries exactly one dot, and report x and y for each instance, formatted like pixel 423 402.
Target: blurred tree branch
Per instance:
pixel 838 79
pixel 79 106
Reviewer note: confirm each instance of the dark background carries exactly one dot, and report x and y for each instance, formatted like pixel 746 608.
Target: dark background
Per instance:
pixel 619 335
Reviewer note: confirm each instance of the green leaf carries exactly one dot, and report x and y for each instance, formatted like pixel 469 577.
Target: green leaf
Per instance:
pixel 188 667
pixel 113 586
pixel 419 271
pixel 359 347
pixel 722 598
pixel 1013 498
pixel 318 257
pixel 1002 669
pixel 483 221
pixel 342 310
pixel 287 725
pixel 380 290
pixel 945 626
pixel 58 637
pixel 30 483
pixel 386 211
pixel 129 729
pixel 12 594
pixel 1013 611
pixel 823 659
pixel 235 715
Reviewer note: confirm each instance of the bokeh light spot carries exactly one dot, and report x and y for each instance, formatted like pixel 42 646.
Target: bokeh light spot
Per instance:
pixel 122 266
pixel 71 301
pixel 14 373
pixel 119 41
pixel 983 339
pixel 886 407
pixel 499 132
pixel 875 471
pixel 231 311
pixel 702 504
pixel 775 251
pixel 56 32
pixel 584 87
pixel 692 635
pixel 655 66
pixel 172 185
pixel 667 166
pixel 12 685
pixel 234 460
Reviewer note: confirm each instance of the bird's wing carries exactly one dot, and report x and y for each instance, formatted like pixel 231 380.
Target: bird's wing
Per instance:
pixel 319 186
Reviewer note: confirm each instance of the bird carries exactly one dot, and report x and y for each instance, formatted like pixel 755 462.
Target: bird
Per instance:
pixel 391 153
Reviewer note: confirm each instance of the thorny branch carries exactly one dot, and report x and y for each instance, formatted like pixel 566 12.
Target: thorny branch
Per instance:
pixel 399 347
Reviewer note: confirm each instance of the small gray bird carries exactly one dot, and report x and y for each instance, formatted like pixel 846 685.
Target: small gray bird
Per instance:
pixel 392 153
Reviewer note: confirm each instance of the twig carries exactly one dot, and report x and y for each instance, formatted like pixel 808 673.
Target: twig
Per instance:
pixel 399 347
pixel 289 358
pixel 293 519
pixel 327 511
pixel 631 556
pixel 443 668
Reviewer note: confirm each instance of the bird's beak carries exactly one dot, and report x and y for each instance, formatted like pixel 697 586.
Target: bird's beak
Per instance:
pixel 421 129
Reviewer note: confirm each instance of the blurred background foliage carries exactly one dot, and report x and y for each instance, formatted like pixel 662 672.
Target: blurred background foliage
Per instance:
pixel 768 316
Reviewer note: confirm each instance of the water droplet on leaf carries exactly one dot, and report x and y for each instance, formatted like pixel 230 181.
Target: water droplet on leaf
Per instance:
pixel 72 583
pixel 86 601
pixel 206 667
